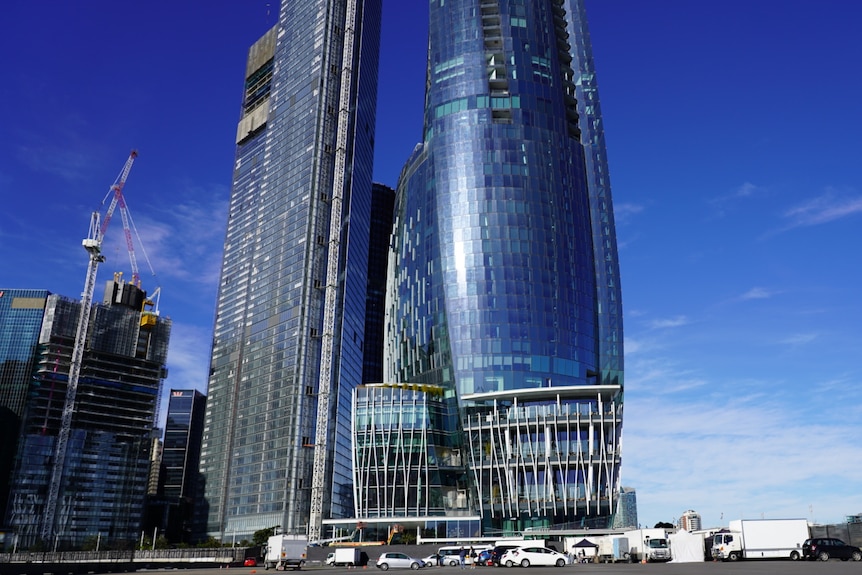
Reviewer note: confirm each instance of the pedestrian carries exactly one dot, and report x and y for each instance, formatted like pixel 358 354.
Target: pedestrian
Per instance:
pixel 472 558
pixel 461 556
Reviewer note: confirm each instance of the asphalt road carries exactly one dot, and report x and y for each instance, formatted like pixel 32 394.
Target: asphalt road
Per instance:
pixel 833 567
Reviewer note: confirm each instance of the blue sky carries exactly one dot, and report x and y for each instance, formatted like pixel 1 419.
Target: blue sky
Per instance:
pixel 733 133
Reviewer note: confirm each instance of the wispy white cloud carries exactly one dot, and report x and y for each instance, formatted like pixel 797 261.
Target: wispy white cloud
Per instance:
pixel 745 190
pixel 799 339
pixel 183 243
pixel 722 202
pixel 188 359
pixel 728 456
pixel 625 210
pixel 757 293
pixel 667 323
pixel 827 207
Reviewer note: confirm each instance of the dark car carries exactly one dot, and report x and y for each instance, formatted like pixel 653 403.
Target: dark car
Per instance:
pixel 498 551
pixel 826 548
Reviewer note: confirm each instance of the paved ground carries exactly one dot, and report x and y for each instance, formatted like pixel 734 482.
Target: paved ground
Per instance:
pixel 833 567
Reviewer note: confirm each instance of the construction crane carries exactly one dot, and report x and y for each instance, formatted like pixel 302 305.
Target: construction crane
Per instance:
pixel 327 351
pixel 93 245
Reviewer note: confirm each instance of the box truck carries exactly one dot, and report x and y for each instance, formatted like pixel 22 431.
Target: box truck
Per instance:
pixel 349 556
pixel 283 551
pixel 760 539
pixel 650 545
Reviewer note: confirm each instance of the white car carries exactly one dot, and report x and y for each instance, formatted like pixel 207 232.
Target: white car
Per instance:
pixel 526 556
pixel 394 560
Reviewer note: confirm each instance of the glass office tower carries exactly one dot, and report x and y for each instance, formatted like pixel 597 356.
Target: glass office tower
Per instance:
pixel 503 285
pixel 291 305
pixel 21 312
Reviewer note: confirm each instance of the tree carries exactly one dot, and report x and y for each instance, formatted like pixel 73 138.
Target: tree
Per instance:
pixel 663 525
pixel 209 543
pixel 261 536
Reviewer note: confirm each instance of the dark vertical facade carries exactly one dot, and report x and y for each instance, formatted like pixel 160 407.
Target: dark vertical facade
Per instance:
pixel 105 471
pixel 382 203
pixel 291 306
pixel 503 281
pixel 179 474
pixel 21 312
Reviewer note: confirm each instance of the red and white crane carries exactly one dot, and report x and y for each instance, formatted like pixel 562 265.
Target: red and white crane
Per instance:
pixel 93 245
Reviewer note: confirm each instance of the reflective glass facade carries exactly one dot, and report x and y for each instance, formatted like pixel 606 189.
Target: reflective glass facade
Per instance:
pixel 180 456
pixel 404 460
pixel 503 283
pixel 105 470
pixel 297 233
pixel 21 313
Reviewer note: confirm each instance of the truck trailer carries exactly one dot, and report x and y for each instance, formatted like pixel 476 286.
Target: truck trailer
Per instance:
pixel 761 539
pixel 285 551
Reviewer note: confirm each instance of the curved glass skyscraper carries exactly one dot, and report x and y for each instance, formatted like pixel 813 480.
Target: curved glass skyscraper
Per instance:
pixel 503 277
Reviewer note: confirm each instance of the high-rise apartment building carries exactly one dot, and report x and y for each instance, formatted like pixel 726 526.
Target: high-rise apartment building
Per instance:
pixel 104 472
pixel 627 509
pixel 690 521
pixel 504 298
pixel 288 337
pixel 21 312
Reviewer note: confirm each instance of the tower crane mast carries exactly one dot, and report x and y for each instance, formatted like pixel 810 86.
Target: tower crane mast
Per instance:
pixel 327 351
pixel 93 245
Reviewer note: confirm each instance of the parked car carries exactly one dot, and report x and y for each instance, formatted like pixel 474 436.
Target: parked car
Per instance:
pixel 498 551
pixel 394 560
pixel 826 548
pixel 526 556
pixel 250 562
pixel 432 560
pixel 484 557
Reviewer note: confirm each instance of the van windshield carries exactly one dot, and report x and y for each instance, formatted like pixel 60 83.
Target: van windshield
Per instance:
pixel 658 543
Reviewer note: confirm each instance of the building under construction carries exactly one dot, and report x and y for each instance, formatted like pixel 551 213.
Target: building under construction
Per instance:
pixel 104 468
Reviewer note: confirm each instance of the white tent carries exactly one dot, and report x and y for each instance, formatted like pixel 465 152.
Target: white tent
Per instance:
pixel 686 547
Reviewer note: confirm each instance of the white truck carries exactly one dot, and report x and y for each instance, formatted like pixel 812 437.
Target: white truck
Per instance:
pixel 760 539
pixel 648 544
pixel 285 551
pixel 349 556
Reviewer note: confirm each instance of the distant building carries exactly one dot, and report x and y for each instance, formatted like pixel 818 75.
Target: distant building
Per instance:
pixel 106 466
pixel 171 508
pixel 155 463
pixel 690 521
pixel 627 509
pixel 21 312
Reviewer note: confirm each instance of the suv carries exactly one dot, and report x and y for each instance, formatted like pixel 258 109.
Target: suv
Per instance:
pixel 826 548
